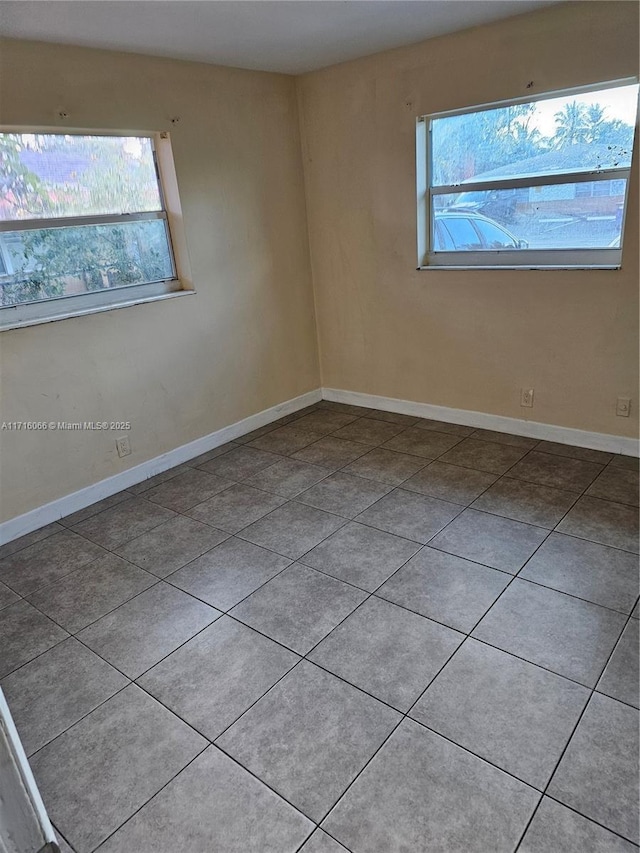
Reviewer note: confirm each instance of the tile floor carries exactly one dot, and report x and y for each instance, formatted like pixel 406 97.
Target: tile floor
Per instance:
pixel 348 631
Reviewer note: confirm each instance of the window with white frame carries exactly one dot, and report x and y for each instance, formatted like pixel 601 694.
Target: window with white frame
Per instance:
pixel 533 183
pixel 84 224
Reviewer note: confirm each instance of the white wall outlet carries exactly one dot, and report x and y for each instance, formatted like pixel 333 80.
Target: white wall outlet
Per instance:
pixel 123 446
pixel 623 407
pixel 526 397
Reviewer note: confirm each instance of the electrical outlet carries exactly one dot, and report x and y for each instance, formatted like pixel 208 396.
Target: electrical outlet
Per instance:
pixel 526 397
pixel 123 446
pixel 623 407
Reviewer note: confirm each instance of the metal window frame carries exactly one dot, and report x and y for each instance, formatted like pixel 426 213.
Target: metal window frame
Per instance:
pixel 63 307
pixel 428 258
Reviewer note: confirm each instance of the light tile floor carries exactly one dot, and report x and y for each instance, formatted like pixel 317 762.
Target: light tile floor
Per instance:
pixel 347 631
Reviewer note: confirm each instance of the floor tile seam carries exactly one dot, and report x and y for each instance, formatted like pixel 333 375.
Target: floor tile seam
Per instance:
pixel 234 444
pixel 563 489
pixel 369 595
pixel 35 657
pixel 389 488
pixel 402 429
pixel 328 574
pixel 64 838
pixel 114 545
pixel 621 467
pixel 220 734
pixel 289 558
pixel 285 501
pixel 577 723
pixel 590 819
pixel 551 457
pixel 615 698
pixel 482 758
pixel 531 524
pixel 210 742
pixel 460 507
pixel 185 510
pixel 482 566
pixel 246 481
pixel 279 795
pixel 490 441
pixel 17 599
pixel 84 568
pixel 611 500
pixel 44 538
pixel 441 550
pixel 80 640
pixel 51 740
pixel 584 538
pixel 592 541
pixel 148 800
pixel 466 638
pixel 557 764
pixel 56 533
pixel 610 656
pixel 105 660
pixel 323 831
pixel 226 611
pixel 324 477
pixel 135 683
pixel 226 536
pixel 108 613
pixel 469 633
pixel 67 526
pixel 573 595
pixel 381 445
pixel 404 716
pixel 583 492
pixel 299 559
pixel 468 505
pixel 238 445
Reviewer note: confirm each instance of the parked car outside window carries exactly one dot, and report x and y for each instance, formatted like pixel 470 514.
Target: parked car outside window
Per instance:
pixel 458 232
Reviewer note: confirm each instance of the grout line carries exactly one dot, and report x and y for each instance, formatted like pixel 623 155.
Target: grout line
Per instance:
pixel 83 717
pixel 574 730
pixel 369 595
pixel 585 817
pixel 131 816
pixel 60 835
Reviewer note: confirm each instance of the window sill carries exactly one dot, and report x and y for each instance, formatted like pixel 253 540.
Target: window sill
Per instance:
pixel 520 267
pixel 64 308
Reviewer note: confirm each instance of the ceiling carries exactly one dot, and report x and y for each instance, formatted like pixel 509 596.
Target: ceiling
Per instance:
pixel 289 36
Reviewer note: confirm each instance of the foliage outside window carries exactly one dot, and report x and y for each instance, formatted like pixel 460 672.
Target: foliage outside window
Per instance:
pixel 541 183
pixel 81 216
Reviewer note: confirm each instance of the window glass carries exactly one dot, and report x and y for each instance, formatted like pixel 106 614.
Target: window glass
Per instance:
pixel 571 133
pixel 443 238
pixel 55 175
pixel 105 225
pixel 555 216
pixel 463 234
pixel 56 262
pixel 494 237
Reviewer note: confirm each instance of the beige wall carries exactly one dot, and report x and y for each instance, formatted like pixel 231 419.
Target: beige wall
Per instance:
pixel 181 368
pixel 469 340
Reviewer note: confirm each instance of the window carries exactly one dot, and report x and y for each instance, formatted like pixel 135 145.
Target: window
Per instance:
pixel 84 224
pixel 537 183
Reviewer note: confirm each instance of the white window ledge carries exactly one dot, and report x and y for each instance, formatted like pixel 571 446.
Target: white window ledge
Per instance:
pixel 63 308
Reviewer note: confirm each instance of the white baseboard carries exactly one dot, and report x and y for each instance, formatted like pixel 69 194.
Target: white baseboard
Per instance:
pixel 30 521
pixel 482 420
pixel 61 507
